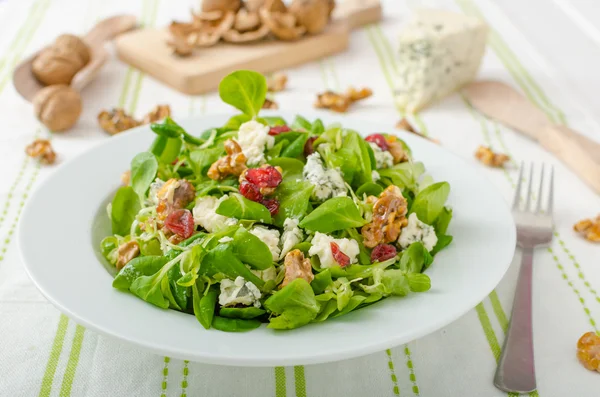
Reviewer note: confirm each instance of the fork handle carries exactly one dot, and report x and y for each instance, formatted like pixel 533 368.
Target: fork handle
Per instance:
pixel 516 370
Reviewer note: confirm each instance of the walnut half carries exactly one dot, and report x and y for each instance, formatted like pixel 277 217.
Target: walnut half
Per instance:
pixel 41 150
pixel 232 164
pixel 296 266
pixel 389 217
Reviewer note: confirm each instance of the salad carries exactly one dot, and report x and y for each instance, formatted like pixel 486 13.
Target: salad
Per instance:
pixel 266 220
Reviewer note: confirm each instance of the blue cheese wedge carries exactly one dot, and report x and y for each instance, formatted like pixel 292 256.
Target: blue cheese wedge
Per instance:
pixel 439 52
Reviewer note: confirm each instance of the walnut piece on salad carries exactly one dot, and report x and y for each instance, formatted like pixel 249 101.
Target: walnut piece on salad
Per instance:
pixel 234 163
pixel 264 220
pixel 389 217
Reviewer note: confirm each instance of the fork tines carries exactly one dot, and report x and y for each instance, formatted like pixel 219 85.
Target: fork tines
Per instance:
pixel 530 196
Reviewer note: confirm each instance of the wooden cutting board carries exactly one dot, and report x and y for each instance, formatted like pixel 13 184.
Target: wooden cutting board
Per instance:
pixel 147 50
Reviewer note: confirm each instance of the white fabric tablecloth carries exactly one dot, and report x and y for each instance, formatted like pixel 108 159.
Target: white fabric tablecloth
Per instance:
pixel 42 352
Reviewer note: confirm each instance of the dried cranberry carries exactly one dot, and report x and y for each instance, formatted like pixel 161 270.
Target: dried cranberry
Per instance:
pixel 251 191
pixel 383 252
pixel 342 259
pixel 181 222
pixel 278 129
pixel 272 205
pixel 379 140
pixel 308 146
pixel 264 176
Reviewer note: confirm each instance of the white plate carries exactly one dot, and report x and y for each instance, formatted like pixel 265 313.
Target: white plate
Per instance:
pixel 65 219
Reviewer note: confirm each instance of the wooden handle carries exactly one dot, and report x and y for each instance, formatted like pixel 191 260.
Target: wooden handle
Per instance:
pixel 357 13
pixel 109 28
pixel 579 153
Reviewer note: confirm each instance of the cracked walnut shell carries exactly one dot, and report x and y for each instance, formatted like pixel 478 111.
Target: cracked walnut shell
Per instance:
pixel 58 107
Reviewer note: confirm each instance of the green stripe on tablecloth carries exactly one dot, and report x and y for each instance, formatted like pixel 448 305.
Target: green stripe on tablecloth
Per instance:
pixel 411 370
pixel 393 376
pixel 511 62
pixel 67 384
pixel 280 382
pixel 498 310
pixel 165 377
pixel 184 378
pixel 36 21
pixel 25 27
pixel 57 345
pixel 299 381
pixel 11 190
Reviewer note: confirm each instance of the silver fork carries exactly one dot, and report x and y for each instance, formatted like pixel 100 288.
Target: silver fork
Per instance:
pixel 516 369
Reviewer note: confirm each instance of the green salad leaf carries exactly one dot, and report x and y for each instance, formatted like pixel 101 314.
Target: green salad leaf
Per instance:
pixel 245 90
pixel 144 167
pixel 124 208
pixel 337 213
pixel 429 203
pixel 239 207
pixel 295 305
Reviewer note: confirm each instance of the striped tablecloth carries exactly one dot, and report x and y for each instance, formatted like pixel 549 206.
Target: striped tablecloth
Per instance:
pixel 42 352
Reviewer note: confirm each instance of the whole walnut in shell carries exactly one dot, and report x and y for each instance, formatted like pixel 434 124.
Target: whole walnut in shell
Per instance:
pixel 58 107
pixel 312 14
pixel 221 5
pixel 59 63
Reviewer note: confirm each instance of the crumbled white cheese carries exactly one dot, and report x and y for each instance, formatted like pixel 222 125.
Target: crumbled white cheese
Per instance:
pixel 154 188
pixel 239 292
pixel 225 239
pixel 321 246
pixel 375 175
pixel 269 237
pixel 417 231
pixel 327 182
pixel 291 236
pixel 439 52
pixel 383 158
pixel 268 274
pixel 253 138
pixel 206 216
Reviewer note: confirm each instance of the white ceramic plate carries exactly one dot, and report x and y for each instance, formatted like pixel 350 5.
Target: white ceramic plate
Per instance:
pixel 65 219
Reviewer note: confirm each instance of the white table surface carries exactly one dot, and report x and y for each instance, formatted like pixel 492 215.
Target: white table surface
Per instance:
pixel 549 48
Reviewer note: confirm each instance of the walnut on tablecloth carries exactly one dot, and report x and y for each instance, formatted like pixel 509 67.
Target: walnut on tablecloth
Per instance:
pixel 270 104
pixel 341 102
pixel 41 149
pixel 588 351
pixel 117 120
pixel 486 156
pixel 277 82
pixel 589 229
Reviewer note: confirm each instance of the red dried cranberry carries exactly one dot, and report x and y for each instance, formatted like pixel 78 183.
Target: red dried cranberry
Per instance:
pixel 379 140
pixel 251 191
pixel 278 129
pixel 308 146
pixel 181 222
pixel 342 259
pixel 383 252
pixel 272 205
pixel 264 176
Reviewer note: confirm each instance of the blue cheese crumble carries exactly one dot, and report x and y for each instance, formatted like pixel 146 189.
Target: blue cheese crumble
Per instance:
pixel 327 182
pixel 321 246
pixel 417 231
pixel 383 158
pixel 239 292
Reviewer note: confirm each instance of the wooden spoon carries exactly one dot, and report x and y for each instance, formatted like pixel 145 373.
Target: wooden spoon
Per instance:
pixel 27 85
pixel 505 104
